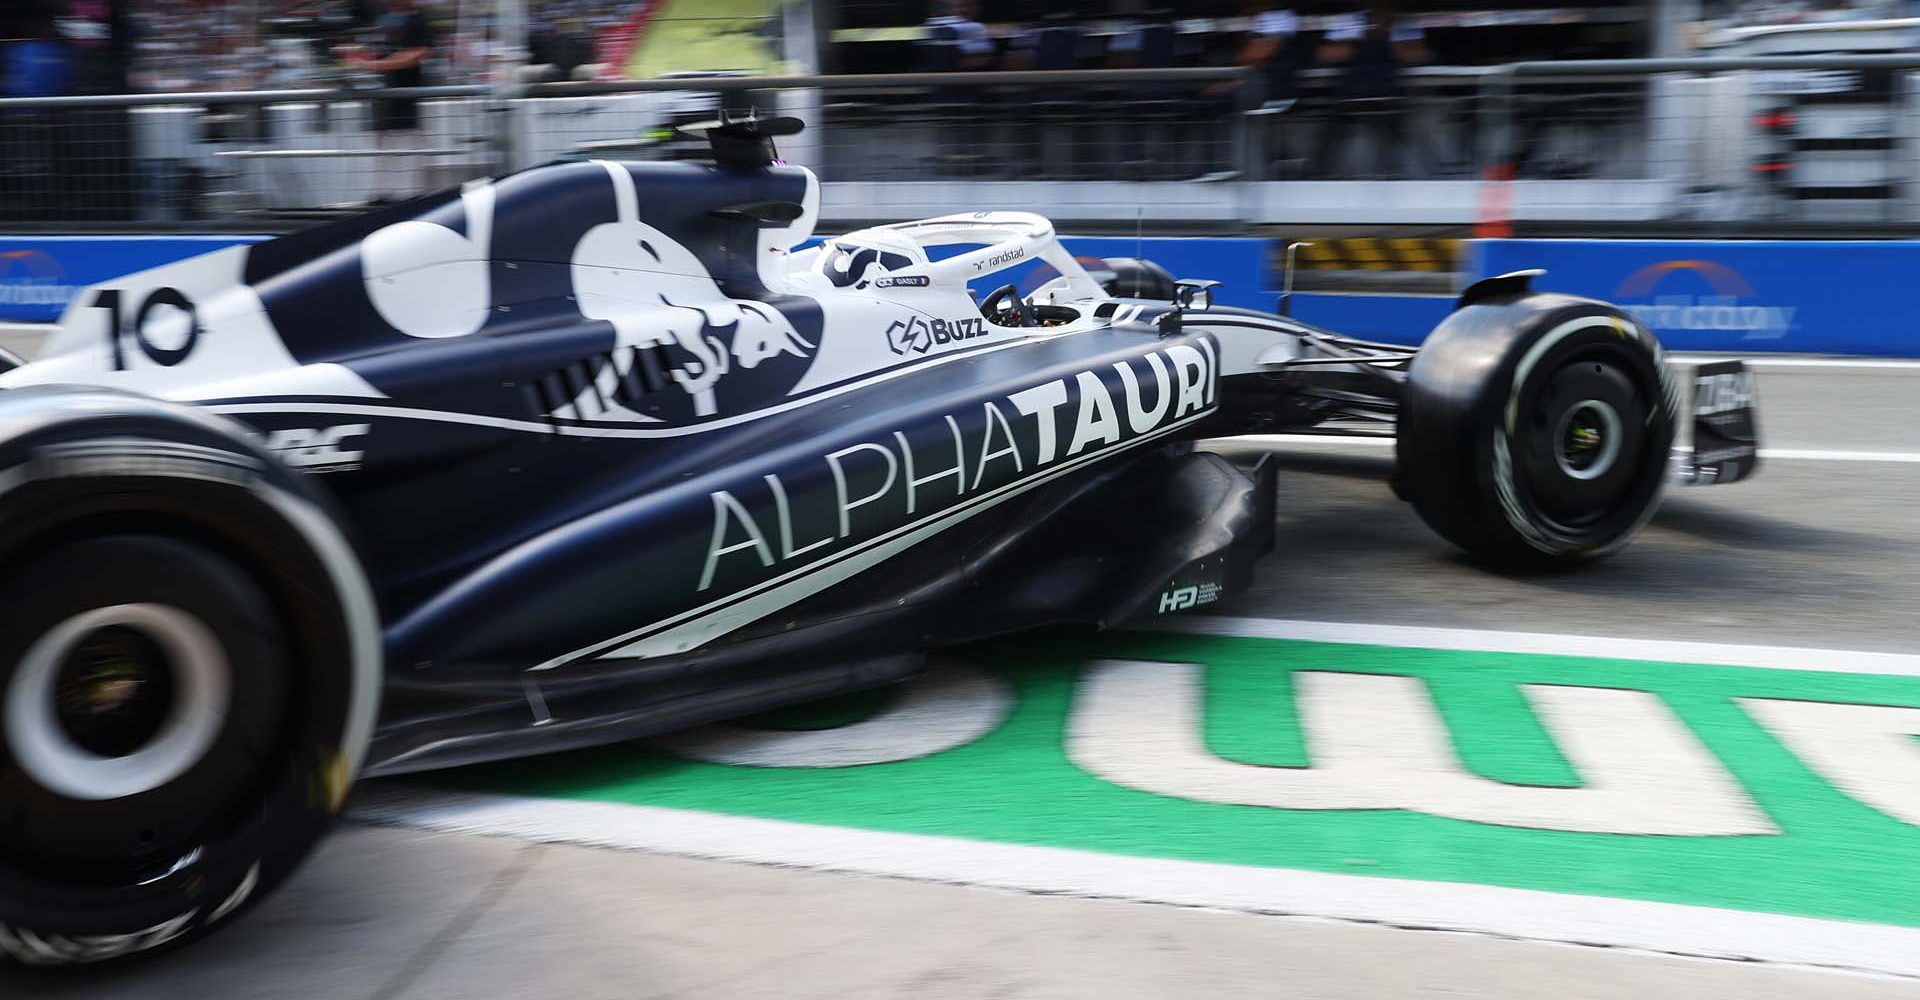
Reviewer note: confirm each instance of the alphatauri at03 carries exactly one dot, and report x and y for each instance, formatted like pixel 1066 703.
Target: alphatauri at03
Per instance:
pixel 597 449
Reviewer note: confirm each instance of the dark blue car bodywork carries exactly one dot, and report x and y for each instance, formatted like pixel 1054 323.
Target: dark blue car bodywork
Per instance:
pixel 579 533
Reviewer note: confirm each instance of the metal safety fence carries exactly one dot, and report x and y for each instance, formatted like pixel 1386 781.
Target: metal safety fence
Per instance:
pixel 1701 143
pixel 1762 143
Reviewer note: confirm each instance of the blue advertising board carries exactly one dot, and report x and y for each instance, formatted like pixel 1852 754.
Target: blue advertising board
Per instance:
pixel 40 274
pixel 1387 318
pixel 1826 297
pixel 1240 265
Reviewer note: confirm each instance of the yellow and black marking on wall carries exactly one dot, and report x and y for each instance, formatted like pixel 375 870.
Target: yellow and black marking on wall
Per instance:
pixel 1366 253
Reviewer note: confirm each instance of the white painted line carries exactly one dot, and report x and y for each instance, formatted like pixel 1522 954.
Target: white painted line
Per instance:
pixel 1322 440
pixel 1825 661
pixel 1791 362
pixel 1520 913
pixel 1822 455
pixel 1774 454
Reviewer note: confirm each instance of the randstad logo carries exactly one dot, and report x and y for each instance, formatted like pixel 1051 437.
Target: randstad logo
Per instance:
pixel 1722 310
pixel 33 278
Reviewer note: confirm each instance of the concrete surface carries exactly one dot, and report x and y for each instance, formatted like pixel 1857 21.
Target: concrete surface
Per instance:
pixel 23 339
pixel 1813 553
pixel 385 914
pixel 1807 554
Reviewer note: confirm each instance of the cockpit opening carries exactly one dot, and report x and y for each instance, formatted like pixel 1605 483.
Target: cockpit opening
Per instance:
pixel 1004 306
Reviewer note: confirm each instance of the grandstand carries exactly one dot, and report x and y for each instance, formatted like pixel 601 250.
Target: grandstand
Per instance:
pixel 880 35
pixel 1445 146
pixel 186 45
pixel 240 44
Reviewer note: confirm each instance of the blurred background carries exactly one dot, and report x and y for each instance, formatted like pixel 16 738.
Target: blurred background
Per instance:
pixel 1739 174
pixel 1387 134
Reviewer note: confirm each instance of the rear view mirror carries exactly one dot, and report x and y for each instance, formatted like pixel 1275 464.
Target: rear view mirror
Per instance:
pixel 781 212
pixel 1194 295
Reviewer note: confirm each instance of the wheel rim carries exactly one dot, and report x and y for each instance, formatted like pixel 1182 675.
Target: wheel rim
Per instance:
pixel 1584 441
pixel 1587 442
pixel 117 701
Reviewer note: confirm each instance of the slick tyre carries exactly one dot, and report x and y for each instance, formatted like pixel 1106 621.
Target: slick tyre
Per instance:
pixel 1536 430
pixel 188 682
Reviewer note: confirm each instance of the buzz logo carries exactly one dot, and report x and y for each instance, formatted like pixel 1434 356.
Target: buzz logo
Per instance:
pixel 1182 598
pixel 318 449
pixel 918 335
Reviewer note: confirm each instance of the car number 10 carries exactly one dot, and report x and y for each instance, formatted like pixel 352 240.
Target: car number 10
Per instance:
pixel 117 328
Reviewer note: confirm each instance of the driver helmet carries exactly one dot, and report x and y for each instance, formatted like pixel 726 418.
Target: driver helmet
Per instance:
pixel 854 260
pixel 1136 278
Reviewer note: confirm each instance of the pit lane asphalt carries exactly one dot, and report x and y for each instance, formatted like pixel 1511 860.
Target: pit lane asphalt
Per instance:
pixel 1815 551
pixel 1821 552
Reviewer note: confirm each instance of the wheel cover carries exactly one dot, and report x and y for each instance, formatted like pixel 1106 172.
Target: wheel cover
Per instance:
pixel 55 694
pixel 1587 442
pixel 1581 444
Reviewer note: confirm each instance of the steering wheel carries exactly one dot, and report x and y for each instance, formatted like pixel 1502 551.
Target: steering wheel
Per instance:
pixel 994 304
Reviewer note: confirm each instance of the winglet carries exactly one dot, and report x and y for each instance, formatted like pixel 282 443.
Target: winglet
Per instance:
pixel 1499 286
pixel 745 141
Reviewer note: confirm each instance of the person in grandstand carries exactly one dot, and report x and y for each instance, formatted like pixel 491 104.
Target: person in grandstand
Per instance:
pixel 1373 45
pixel 959 23
pixel 406 42
pixel 1271 51
pixel 98 35
pixel 34 62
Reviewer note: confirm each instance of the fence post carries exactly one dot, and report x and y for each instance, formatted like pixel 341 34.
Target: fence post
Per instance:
pixel 497 105
pixel 1495 215
pixel 1906 141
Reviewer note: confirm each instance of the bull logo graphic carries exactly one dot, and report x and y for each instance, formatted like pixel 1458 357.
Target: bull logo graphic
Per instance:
pixel 657 292
pixel 482 269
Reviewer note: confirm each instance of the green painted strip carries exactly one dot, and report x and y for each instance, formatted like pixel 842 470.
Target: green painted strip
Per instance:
pixel 1833 857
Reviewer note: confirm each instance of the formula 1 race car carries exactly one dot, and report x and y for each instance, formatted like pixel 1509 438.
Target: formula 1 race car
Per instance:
pixel 597 449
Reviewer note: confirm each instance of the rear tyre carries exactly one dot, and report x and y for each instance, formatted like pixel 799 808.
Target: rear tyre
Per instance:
pixel 1536 430
pixel 189 675
pixel 161 767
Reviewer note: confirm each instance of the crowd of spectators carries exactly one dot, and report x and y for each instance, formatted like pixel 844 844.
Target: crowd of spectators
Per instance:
pixel 1366 47
pixel 52 47
pixel 1211 32
pixel 1741 25
pixel 1758 13
pixel 174 45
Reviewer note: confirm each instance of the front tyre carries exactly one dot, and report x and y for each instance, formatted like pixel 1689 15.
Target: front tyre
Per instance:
pixel 1536 430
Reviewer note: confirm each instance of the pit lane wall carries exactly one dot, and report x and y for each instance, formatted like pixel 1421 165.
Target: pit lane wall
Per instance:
pixel 1802 296
pixel 1816 297
pixel 1827 297
pixel 39 275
